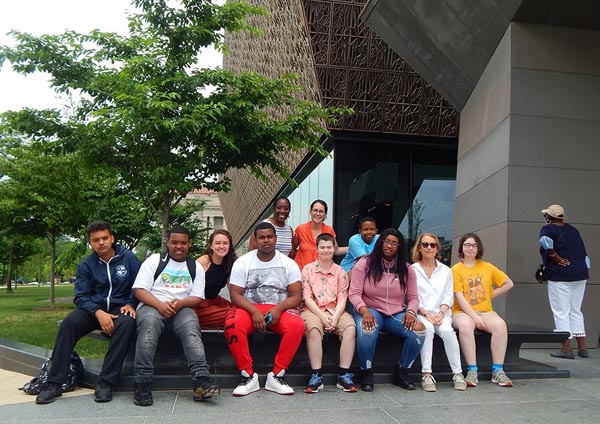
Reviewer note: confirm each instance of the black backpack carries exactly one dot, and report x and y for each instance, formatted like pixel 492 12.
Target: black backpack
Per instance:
pixel 37 384
pixel 164 259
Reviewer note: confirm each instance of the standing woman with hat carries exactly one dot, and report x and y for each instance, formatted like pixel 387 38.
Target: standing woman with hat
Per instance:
pixel 567 263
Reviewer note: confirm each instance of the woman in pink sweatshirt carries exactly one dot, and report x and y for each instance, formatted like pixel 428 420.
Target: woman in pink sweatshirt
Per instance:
pixel 383 292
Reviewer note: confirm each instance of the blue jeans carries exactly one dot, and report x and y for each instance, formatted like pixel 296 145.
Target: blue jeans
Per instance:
pixel 184 325
pixel 392 324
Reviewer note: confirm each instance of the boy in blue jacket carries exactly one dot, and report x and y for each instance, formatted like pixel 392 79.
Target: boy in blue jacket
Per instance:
pixel 105 301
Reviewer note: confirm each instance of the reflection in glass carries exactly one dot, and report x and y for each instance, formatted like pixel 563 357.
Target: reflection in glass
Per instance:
pixel 432 211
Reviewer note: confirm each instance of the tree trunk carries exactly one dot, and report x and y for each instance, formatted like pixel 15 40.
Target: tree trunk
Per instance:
pixel 52 266
pixel 165 221
pixel 10 269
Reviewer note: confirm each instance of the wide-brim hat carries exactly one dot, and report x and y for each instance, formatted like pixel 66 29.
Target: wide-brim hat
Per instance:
pixel 555 211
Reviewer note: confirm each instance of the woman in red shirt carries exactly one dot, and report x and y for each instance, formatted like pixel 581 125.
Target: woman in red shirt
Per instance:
pixel 307 234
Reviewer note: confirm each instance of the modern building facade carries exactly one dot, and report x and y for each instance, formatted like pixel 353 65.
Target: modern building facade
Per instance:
pixel 393 159
pixel 524 77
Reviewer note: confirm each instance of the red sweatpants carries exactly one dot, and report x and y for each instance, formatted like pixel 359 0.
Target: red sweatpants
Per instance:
pixel 238 324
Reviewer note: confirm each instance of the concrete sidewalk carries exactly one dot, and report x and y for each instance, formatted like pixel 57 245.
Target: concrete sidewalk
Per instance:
pixel 572 400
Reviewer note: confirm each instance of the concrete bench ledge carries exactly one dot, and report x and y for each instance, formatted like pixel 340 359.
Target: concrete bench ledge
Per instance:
pixel 171 370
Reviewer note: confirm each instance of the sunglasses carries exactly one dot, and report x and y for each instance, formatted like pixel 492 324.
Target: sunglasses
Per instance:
pixel 425 245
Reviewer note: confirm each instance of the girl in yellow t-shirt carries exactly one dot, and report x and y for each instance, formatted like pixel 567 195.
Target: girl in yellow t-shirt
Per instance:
pixel 476 282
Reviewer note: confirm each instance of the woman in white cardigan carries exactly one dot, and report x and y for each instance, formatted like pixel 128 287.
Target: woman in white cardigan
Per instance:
pixel 436 296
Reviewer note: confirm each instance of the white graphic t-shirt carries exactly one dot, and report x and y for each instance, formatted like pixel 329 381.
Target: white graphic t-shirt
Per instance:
pixel 264 282
pixel 174 282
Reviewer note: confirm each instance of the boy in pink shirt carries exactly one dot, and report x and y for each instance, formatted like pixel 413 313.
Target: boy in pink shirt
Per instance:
pixel 325 291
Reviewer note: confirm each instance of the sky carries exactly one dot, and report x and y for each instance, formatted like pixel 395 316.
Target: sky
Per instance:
pixel 54 17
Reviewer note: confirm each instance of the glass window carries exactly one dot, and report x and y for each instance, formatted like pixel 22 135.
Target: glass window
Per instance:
pixel 318 185
pixel 410 186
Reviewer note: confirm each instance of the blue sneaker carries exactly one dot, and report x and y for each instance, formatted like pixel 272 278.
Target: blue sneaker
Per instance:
pixel 346 383
pixel 314 384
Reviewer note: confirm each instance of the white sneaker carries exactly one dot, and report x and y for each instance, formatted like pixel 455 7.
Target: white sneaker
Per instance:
pixel 276 383
pixel 247 385
pixel 459 382
pixel 428 383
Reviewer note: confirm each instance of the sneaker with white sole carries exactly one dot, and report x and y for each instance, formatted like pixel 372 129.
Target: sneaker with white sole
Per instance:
pixel 471 378
pixel 428 383
pixel 314 384
pixel 459 382
pixel 249 384
pixel 501 379
pixel 204 389
pixel 345 382
pixel 277 384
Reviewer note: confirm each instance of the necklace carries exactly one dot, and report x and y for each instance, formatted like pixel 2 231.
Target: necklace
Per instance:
pixel 388 279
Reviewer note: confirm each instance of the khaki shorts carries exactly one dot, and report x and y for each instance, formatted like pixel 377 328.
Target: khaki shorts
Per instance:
pixel 312 321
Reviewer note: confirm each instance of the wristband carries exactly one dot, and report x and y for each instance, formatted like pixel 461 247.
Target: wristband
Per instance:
pixel 411 312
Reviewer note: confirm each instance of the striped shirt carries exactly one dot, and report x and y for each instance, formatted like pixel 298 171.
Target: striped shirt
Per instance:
pixel 284 238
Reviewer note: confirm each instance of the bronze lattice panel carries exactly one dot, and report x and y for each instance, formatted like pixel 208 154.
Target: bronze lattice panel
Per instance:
pixel 341 62
pixel 357 69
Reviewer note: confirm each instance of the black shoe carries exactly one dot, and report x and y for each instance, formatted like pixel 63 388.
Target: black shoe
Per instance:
pixel 367 383
pixel 583 353
pixel 204 389
pixel 143 394
pixel 401 378
pixel 563 355
pixel 102 392
pixel 49 394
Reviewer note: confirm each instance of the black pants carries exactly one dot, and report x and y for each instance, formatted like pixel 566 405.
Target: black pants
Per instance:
pixel 76 325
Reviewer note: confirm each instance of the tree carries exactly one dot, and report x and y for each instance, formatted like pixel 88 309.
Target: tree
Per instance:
pixel 143 110
pixel 184 214
pixel 415 219
pixel 35 266
pixel 49 194
pixel 16 232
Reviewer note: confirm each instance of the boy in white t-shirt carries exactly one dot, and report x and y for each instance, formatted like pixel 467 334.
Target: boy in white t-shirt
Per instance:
pixel 168 300
pixel 265 291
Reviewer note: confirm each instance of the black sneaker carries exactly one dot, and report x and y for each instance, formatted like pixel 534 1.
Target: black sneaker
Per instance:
pixel 346 382
pixel 204 389
pixel 400 378
pixel 314 384
pixel 49 394
pixel 103 392
pixel 143 394
pixel 367 383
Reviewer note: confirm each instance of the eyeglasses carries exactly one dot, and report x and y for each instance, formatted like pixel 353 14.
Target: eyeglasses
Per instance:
pixel 391 243
pixel 318 211
pixel 470 245
pixel 425 245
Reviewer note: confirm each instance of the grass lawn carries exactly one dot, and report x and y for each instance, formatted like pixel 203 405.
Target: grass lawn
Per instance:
pixel 26 316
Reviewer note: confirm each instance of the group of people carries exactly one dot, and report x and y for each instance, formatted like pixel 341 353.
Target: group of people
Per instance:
pixel 289 283
pixel 122 297
pixel 415 302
